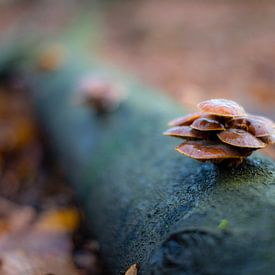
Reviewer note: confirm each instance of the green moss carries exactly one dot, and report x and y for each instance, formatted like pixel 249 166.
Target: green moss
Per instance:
pixel 224 224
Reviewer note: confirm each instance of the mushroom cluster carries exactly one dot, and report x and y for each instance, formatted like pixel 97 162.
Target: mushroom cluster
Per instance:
pixel 221 131
pixel 101 94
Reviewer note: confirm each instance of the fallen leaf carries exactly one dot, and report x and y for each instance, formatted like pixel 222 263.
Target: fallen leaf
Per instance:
pixel 59 220
pixel 18 262
pixel 133 270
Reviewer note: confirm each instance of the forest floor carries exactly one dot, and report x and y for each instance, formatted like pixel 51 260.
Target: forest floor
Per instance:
pixel 42 228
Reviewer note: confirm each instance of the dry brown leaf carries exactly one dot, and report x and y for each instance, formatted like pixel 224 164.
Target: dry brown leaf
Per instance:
pixel 51 58
pixel 133 270
pixel 14 218
pixel 33 247
pixel 59 220
pixel 18 262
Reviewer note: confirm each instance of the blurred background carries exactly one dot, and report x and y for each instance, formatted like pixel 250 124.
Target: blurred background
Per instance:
pixel 198 49
pixel 193 50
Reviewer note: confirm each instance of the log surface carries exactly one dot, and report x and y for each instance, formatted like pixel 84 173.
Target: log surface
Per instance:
pixel 146 203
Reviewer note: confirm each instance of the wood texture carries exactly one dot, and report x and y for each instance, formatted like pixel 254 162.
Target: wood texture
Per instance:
pixel 145 202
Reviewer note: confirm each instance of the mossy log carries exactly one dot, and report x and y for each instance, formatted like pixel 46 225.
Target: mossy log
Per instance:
pixel 145 202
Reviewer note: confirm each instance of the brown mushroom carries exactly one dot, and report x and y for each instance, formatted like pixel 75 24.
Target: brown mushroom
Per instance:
pixel 222 132
pixel 269 139
pixel 221 107
pixel 266 120
pixel 205 150
pixel 207 123
pixel 240 138
pixel 185 131
pixel 101 94
pixel 257 126
pixel 184 120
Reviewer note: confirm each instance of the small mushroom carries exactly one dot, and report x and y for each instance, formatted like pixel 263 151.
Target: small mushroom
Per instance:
pixel 221 132
pixel 205 150
pixel 266 120
pixel 257 126
pixel 221 107
pixel 185 131
pixel 207 123
pixel 269 139
pixel 100 94
pixel 240 138
pixel 184 120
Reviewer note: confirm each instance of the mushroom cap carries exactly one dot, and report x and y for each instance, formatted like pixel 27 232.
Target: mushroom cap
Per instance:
pixel 101 94
pixel 257 126
pixel 266 120
pixel 207 123
pixel 269 139
pixel 221 107
pixel 206 150
pixel 240 138
pixel 184 120
pixel 185 132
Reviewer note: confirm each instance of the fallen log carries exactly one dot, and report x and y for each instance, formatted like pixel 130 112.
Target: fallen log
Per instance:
pixel 146 203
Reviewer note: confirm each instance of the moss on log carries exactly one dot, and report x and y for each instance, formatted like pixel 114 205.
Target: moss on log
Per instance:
pixel 147 203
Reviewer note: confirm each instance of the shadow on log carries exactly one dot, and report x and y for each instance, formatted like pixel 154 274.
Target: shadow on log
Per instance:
pixel 146 203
